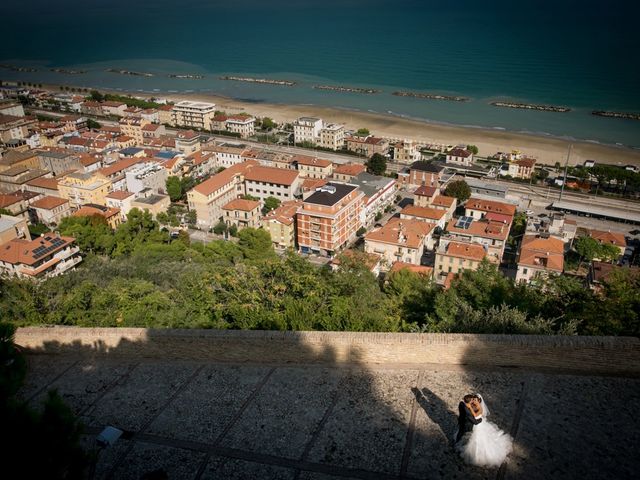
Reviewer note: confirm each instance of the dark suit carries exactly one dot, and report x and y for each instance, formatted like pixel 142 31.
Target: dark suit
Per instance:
pixel 466 420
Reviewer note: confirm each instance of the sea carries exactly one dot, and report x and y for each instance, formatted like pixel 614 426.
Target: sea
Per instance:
pixel 580 54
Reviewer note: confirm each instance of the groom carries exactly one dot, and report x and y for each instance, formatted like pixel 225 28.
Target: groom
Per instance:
pixel 466 417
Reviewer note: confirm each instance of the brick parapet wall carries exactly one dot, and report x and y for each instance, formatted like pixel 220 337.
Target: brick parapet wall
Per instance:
pixel 608 355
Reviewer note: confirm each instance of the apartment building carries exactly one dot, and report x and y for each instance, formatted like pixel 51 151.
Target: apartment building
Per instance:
pixel 134 127
pixel 347 171
pixel 49 210
pixel 400 240
pixel 193 114
pixel 43 257
pixel 307 129
pixel 312 167
pixel 522 168
pixel 555 225
pixel 329 219
pixel 208 198
pixel 379 193
pixel 406 152
pixel 228 154
pixel 13 227
pixel 121 199
pixel 188 142
pixel 460 156
pixel 242 124
pixel 453 257
pixel 263 182
pixel 332 136
pixel 436 216
pixel 281 224
pixel 367 146
pixel 83 188
pixel 11 108
pixel 617 239
pixel 165 114
pixel 540 256
pixel 14 128
pixel 489 233
pixel 14 158
pixel 149 175
pixel 425 173
pixel 112 216
pixel 115 108
pixel 151 202
pixel 57 162
pixel 242 213
pixel 479 208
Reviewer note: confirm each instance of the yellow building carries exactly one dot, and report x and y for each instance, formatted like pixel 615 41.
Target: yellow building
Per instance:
pixel 82 188
pixel 281 224
pixel 132 127
pixel 242 213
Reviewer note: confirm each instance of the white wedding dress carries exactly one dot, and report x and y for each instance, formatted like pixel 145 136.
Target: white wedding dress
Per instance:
pixel 486 445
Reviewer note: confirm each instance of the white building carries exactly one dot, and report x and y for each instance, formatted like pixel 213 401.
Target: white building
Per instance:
pixel 193 114
pixel 241 124
pixel 307 129
pixel 147 175
pixel 263 182
pixel 460 156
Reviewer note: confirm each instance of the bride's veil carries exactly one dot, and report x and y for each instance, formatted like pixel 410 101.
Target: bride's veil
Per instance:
pixel 485 408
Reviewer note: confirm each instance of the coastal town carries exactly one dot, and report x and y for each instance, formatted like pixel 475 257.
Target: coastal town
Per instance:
pixel 317 188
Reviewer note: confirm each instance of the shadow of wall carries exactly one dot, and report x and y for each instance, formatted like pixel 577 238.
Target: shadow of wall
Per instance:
pixel 363 405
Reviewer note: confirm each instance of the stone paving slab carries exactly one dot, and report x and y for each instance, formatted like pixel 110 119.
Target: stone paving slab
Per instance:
pixel 207 405
pixel 284 415
pixel 440 392
pixel 131 404
pixel 42 370
pixel 368 426
pixel 85 383
pixel 568 426
pixel 144 458
pixel 579 427
pixel 107 458
pixel 220 468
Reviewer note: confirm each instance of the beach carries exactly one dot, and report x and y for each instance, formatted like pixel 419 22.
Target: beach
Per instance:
pixel 547 150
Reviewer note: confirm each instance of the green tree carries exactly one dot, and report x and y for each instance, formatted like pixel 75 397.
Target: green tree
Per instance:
pixel 91 123
pixel 458 189
pixel 233 230
pixel 377 164
pixel 588 248
pixel 270 203
pixel 473 149
pixel 268 124
pixel 363 132
pixel 246 196
pixel 174 188
pixel 220 228
pixel 361 231
pixel 255 243
pixel 96 96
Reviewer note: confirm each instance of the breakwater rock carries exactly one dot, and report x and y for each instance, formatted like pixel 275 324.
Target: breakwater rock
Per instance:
pixel 339 88
pixel 430 96
pixel 627 116
pixel 531 106
pixel 130 72
pixel 270 81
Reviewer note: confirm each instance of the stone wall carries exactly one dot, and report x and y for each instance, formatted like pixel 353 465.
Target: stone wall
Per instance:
pixel 610 355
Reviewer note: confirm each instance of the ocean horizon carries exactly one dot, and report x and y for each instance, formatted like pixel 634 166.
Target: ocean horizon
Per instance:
pixel 571 54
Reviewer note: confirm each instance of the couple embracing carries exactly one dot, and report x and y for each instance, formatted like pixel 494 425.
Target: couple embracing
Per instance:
pixel 479 441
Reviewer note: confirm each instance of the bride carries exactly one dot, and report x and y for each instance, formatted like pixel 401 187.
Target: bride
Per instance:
pixel 486 445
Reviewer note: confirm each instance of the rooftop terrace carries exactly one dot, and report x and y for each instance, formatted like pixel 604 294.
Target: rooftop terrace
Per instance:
pixel 322 405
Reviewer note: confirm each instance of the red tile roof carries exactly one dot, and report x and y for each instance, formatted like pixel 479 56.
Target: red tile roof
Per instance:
pixel 408 233
pixel 49 202
pixel 279 176
pixel 242 204
pixel 219 180
pixel 491 206
pixel 19 251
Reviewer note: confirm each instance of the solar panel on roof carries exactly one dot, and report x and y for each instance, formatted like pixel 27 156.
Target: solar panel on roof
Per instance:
pixel 464 222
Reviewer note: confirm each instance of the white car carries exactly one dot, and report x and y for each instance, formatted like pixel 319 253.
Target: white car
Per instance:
pixel 530 213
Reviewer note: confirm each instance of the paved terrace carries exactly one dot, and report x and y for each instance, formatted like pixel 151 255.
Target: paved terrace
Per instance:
pixel 321 406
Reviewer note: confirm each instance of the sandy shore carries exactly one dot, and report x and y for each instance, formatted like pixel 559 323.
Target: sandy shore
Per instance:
pixel 546 150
